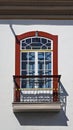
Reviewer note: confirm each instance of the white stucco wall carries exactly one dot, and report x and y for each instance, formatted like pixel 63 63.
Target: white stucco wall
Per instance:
pixel 35 121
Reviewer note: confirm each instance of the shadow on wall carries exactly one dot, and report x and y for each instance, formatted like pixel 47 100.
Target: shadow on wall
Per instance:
pixel 42 119
pixel 46 118
pixel 63 97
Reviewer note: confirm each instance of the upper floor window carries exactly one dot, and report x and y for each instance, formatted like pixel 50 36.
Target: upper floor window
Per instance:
pixel 36 55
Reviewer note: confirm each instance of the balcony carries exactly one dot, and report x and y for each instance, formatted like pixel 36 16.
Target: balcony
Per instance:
pixel 44 94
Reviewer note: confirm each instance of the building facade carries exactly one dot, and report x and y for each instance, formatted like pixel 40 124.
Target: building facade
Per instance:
pixel 36 65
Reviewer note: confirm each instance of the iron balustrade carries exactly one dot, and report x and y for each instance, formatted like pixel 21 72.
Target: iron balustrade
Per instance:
pixel 36 94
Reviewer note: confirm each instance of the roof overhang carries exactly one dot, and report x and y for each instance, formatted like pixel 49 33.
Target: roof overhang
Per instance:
pixel 36 9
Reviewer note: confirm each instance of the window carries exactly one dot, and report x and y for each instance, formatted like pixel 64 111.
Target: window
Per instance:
pixel 36 59
pixel 37 56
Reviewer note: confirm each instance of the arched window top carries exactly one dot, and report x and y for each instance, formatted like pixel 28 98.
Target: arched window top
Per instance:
pixel 36 42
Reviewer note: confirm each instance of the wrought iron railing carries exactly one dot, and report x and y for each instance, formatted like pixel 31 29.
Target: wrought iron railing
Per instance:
pixel 54 94
pixel 37 89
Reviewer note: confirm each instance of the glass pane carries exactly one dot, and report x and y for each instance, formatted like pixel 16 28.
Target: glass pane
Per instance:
pixel 41 56
pixel 24 56
pixel 28 47
pixel 31 68
pixel 31 83
pixel 48 83
pixel 43 40
pixel 48 44
pixel 49 41
pixel 41 83
pixel 48 72
pixel 31 72
pixel 31 65
pixel 28 40
pixel 40 72
pixel 44 47
pixel 40 65
pixel 23 44
pixel 31 56
pixel 24 72
pixel 24 83
pixel 35 39
pixel 48 56
pixel 24 65
pixel 47 65
pixel 36 45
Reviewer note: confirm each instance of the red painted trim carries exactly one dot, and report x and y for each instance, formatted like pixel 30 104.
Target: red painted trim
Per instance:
pixel 17 70
pixel 25 35
pixel 55 68
pixel 55 56
pixel 47 35
pixel 17 58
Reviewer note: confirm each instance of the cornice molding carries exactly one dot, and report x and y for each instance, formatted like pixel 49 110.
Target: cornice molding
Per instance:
pixel 36 9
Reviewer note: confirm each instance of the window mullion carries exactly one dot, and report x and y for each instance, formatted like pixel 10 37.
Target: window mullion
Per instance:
pixel 27 69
